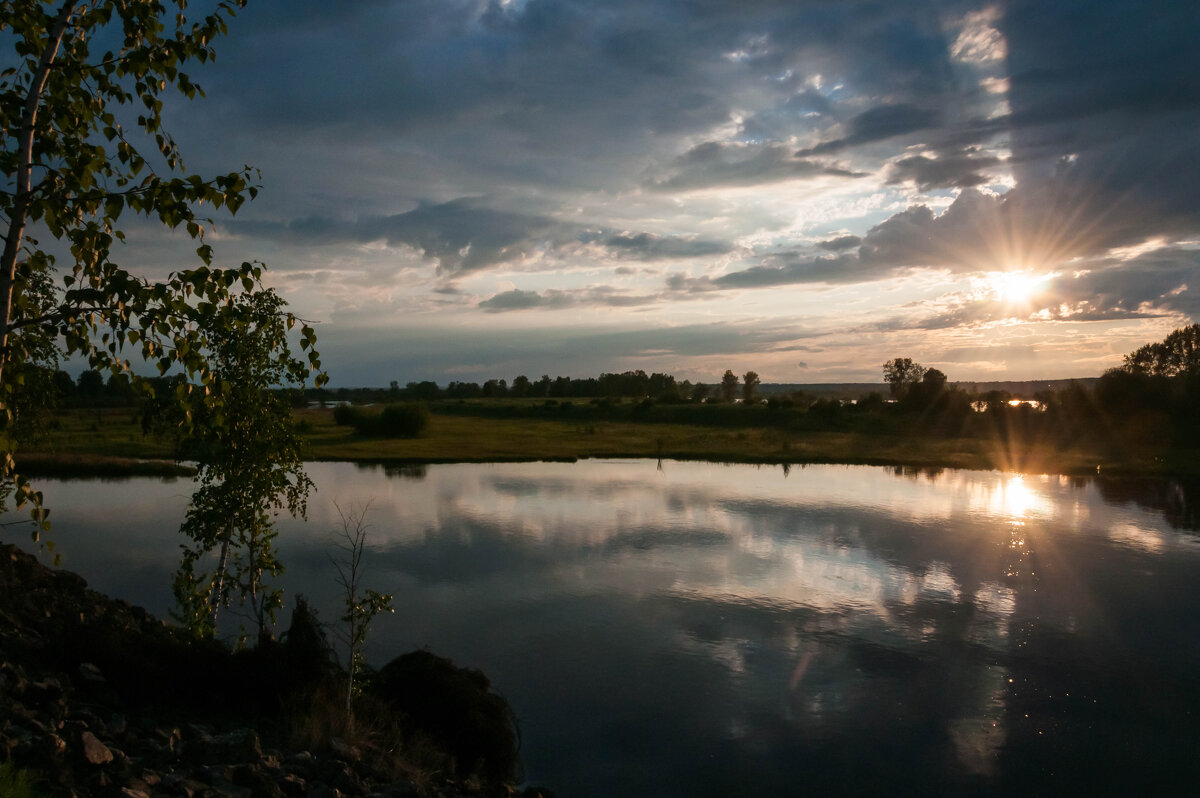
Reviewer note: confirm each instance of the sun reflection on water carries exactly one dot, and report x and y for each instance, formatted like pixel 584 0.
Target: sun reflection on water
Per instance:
pixel 1017 500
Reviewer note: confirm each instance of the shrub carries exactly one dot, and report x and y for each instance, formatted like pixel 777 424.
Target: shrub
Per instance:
pixel 401 421
pixel 347 415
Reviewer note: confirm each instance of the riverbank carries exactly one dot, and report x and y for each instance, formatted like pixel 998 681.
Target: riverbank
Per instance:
pixel 109 443
pixel 99 698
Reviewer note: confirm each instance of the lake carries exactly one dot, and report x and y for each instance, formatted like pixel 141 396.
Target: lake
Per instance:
pixel 696 629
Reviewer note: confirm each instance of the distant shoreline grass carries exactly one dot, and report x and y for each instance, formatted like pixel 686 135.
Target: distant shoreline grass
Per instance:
pixel 110 444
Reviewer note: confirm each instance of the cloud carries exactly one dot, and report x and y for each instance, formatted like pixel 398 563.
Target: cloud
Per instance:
pixel 1155 285
pixel 954 171
pixel 466 235
pixel 915 238
pixel 647 246
pixel 462 235
pixel 557 299
pixel 877 124
pixel 721 164
pixel 840 243
pixel 515 299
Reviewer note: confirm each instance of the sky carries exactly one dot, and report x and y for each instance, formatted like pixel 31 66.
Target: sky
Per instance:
pixel 475 189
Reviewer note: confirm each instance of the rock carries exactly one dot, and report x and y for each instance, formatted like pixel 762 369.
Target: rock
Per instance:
pixel 90 673
pixel 94 751
pixel 240 745
pixel 46 692
pixel 262 785
pixel 292 785
pixel 345 750
pixel 323 791
pixel 117 724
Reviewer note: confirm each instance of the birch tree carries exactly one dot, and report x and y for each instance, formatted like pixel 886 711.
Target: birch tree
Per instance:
pixel 82 147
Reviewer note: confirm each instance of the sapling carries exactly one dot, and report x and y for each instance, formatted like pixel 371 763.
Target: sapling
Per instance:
pixel 361 606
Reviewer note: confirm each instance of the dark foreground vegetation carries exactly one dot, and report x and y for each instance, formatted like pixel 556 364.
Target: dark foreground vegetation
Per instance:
pixel 99 698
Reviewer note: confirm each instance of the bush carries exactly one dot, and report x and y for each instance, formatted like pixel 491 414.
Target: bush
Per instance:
pixel 404 420
pixel 456 709
pixel 347 415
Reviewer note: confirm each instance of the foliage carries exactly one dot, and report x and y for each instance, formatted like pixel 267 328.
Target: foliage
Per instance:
pixel 75 124
pixel 361 605
pixel 900 373
pixel 750 383
pixel 1175 355
pixel 729 383
pixel 250 464
pixel 402 420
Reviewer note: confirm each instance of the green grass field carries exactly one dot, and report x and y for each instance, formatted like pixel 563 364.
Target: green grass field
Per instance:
pixel 111 442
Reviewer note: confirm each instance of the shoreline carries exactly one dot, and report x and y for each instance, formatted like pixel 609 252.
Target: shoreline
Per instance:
pixel 102 698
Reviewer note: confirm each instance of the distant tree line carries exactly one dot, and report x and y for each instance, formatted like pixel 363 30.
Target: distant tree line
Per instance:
pixel 1151 401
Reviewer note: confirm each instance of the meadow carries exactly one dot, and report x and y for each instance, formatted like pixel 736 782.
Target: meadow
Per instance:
pixel 110 442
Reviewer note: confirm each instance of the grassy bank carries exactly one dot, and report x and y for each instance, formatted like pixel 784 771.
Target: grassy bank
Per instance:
pixel 110 441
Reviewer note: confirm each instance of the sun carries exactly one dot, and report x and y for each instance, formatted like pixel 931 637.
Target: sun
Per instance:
pixel 1015 287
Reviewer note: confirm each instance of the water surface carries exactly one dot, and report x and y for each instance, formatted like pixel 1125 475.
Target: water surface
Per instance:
pixel 691 629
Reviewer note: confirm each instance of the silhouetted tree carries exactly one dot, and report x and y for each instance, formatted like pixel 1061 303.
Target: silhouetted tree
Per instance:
pixel 729 383
pixel 90 385
pixel 63 384
pixel 1175 355
pixel 750 383
pixel 900 373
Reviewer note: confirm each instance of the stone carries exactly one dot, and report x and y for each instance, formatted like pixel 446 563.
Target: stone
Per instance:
pixel 94 751
pixel 323 791
pixel 252 776
pixel 293 786
pixel 344 749
pixel 90 673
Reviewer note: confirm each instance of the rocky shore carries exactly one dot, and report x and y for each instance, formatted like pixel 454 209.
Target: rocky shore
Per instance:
pixel 98 698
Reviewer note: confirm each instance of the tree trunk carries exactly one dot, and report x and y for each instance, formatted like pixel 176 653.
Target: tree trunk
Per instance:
pixel 214 596
pixel 20 209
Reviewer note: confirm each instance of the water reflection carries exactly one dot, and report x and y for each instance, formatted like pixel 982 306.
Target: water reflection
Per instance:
pixel 698 629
